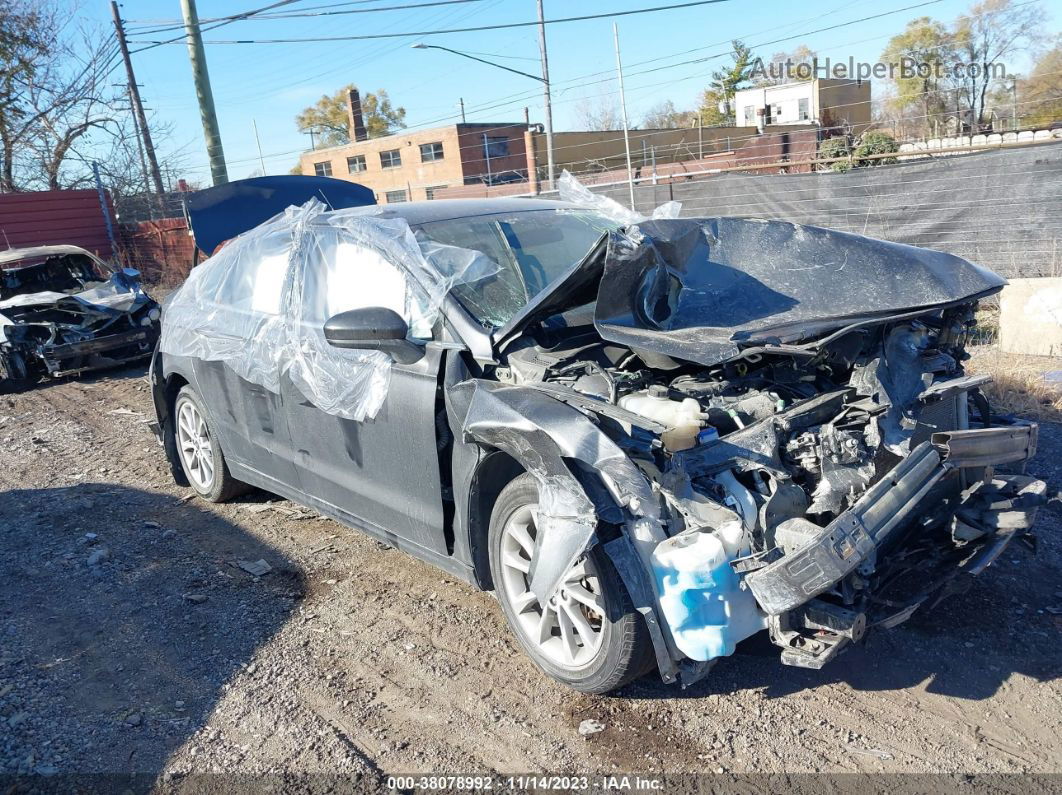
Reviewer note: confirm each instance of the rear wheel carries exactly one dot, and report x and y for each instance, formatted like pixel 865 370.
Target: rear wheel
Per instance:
pixel 200 451
pixel 588 635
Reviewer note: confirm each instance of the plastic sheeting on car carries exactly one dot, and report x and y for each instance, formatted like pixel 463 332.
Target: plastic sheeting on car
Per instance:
pixel 260 303
pixel 572 190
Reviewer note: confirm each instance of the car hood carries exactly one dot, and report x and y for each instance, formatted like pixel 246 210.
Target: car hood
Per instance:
pixel 701 289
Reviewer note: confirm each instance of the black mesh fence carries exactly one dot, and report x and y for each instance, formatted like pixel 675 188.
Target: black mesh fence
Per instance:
pixel 1001 209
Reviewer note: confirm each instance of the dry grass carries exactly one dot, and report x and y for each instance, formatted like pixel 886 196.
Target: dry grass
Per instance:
pixel 1019 385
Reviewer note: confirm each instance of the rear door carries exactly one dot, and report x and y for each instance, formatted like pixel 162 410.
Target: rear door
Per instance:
pixel 249 417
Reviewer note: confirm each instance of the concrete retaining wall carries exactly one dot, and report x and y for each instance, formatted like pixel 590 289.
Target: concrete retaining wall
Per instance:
pixel 1030 317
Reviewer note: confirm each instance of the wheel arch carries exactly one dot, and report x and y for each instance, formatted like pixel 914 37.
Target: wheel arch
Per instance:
pixel 583 476
pixel 165 387
pixel 495 471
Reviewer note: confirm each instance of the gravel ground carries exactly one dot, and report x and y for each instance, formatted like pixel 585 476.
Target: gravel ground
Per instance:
pixel 131 641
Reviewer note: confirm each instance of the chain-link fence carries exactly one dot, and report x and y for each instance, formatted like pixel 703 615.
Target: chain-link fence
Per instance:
pixel 1001 208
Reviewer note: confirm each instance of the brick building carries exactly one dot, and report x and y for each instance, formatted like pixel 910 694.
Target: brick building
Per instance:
pixel 410 166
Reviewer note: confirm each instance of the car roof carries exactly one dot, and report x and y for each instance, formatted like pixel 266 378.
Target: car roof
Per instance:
pixel 424 212
pixel 10 255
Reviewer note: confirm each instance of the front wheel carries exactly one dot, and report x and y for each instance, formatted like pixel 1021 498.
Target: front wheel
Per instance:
pixel 200 451
pixel 588 635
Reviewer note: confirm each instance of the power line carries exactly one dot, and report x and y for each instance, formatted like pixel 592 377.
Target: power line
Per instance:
pixel 223 21
pixel 261 16
pixel 502 26
pixel 510 100
pixel 513 99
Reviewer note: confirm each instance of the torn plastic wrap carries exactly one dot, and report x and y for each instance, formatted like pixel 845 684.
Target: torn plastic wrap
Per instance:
pixel 260 304
pixel 231 307
pixel 572 190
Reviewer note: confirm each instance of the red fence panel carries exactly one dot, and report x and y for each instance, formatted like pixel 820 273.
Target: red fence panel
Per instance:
pixel 54 217
pixel 162 249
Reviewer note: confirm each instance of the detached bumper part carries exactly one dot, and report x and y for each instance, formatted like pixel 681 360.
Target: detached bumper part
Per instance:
pixel 850 538
pixel 992 512
pixel 56 356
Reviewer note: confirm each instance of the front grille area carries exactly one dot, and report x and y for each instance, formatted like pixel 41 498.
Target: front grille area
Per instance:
pixel 946 414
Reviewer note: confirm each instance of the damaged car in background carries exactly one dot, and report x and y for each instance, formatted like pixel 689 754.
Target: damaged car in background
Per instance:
pixel 652 438
pixel 64 311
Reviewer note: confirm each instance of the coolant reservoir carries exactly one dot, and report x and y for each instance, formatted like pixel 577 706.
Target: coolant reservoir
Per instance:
pixel 683 418
pixel 701 596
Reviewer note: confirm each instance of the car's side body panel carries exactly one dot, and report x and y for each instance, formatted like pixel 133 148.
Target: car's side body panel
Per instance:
pixel 251 421
pixel 168 372
pixel 383 470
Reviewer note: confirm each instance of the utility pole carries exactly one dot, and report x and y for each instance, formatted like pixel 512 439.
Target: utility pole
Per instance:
pixel 623 108
pixel 545 83
pixel 134 95
pixel 461 102
pixel 197 56
pixel 140 151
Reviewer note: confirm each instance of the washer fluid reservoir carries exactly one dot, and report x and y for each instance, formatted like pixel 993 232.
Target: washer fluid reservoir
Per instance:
pixel 701 596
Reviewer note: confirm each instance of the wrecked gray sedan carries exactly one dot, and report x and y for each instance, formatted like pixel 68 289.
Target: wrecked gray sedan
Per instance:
pixel 64 311
pixel 651 442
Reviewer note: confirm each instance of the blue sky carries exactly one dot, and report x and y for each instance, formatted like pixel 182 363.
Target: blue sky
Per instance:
pixel 270 83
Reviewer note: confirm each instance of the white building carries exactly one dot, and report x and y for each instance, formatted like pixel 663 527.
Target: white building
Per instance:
pixel 822 102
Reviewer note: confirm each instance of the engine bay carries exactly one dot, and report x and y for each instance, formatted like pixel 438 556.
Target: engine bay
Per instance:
pixel 774 453
pixel 864 385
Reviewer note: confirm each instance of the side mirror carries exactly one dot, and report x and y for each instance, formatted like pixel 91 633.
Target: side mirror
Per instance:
pixel 373 328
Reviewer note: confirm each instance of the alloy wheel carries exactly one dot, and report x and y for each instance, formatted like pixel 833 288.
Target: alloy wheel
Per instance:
pixel 193 441
pixel 568 628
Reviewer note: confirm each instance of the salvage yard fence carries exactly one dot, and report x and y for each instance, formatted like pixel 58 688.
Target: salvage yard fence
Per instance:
pixel 1001 209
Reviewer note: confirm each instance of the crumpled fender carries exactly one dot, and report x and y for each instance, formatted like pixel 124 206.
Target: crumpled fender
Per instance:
pixel 541 432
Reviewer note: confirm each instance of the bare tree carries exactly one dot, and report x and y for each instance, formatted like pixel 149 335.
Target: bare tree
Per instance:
pixel 70 102
pixel 992 31
pixel 598 113
pixel 27 30
pixel 60 109
pixel 664 116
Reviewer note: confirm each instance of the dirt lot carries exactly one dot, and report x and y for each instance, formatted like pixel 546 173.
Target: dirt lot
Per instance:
pixel 131 641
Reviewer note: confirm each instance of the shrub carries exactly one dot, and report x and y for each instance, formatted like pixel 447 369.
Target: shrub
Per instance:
pixel 875 143
pixel 836 147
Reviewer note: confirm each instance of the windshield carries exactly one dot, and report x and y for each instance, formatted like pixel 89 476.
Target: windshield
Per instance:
pixel 531 248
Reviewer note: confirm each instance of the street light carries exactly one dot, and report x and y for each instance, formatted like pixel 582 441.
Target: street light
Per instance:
pixel 544 80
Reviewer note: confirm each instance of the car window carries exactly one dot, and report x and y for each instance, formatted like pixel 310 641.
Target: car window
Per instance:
pixel 267 286
pixel 531 249
pixel 352 276
pixel 248 289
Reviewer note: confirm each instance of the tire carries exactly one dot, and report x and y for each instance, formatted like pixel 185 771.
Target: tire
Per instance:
pixel 612 647
pixel 199 450
pixel 15 373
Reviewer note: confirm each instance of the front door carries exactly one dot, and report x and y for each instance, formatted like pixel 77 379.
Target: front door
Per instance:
pixel 382 470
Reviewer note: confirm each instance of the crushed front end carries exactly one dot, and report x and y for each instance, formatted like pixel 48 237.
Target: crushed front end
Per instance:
pixel 63 311
pixel 859 505
pixel 812 474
